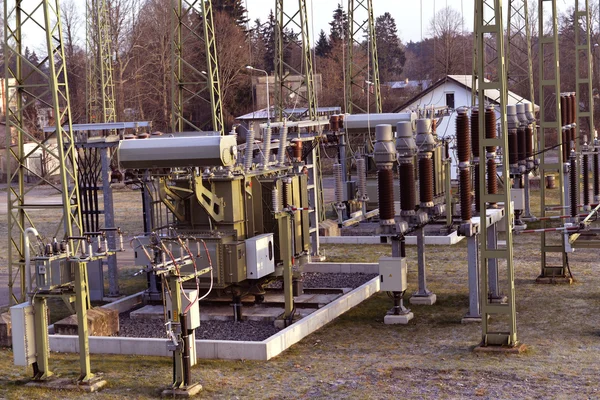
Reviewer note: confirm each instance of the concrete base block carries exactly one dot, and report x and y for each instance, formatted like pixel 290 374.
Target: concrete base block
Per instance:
pixel 520 348
pixel 559 280
pixel 5 330
pixel 148 312
pixel 468 319
pixel 329 228
pixel 423 300
pixel 93 385
pixel 188 391
pixel 397 319
pixel 101 322
pixel 108 299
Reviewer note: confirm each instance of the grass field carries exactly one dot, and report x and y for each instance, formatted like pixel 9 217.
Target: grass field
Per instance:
pixel 357 356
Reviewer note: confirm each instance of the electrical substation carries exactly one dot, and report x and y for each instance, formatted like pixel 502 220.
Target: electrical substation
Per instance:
pixel 232 214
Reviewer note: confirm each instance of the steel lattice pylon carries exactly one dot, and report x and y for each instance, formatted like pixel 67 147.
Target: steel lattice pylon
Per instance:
pixel 100 85
pixel 30 85
pixel 285 40
pixel 549 96
pixel 362 76
pixel 189 82
pixel 489 33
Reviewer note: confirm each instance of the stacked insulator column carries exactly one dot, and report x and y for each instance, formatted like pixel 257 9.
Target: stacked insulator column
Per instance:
pixel 475 151
pixel 384 154
pixel 297 150
pixel 266 146
pixel 406 148
pixel 282 143
pixel 339 184
pixel 249 149
pixel 522 137
pixel 573 187
pixel 529 149
pixel 361 172
pixel 490 133
pixel 426 144
pixel 513 140
pixel 463 143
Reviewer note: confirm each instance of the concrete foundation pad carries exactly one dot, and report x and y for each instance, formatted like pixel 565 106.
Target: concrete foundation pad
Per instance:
pixel 520 348
pixel 468 320
pixel 112 299
pixel 558 280
pixel 100 322
pixel 189 391
pixel 93 385
pixel 397 319
pixel 5 330
pixel 148 312
pixel 423 300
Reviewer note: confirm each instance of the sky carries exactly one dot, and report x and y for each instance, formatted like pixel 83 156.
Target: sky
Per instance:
pixel 412 16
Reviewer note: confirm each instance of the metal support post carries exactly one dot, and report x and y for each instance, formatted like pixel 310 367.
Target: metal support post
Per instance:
pixel 285 240
pixel 178 372
pixel 81 306
pixel 492 263
pixel 41 369
pixel 109 222
pixel 473 265
pixel 527 188
pixel 423 295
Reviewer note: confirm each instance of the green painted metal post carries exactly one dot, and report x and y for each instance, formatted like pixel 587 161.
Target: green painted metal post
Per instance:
pixel 81 307
pixel 41 368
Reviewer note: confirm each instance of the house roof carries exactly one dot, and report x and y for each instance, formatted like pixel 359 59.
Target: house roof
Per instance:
pixel 466 82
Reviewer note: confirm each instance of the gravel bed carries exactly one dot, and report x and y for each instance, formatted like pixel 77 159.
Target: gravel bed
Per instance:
pixel 209 330
pixel 245 330
pixel 326 280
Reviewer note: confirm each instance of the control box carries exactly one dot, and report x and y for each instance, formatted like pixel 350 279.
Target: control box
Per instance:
pixel 260 256
pixel 23 334
pixel 193 314
pixel 392 274
pixel 51 272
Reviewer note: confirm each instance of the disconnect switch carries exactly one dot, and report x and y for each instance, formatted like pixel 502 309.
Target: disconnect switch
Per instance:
pixel 392 274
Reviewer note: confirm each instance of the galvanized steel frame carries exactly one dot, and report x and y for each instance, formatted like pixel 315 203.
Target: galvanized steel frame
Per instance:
pixel 489 24
pixel 549 40
pixel 357 74
pixel 295 17
pixel 189 82
pixel 24 94
pixel 99 83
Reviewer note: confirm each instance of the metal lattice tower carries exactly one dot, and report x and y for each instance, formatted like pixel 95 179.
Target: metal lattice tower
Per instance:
pixel 43 84
pixel 190 82
pixel 362 74
pixel 489 30
pixel 302 93
pixel 583 82
pixel 100 86
pixel 518 51
pixel 550 124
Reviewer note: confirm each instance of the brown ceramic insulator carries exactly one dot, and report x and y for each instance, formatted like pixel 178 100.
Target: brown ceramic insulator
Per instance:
pixel 334 123
pixel 596 176
pixel 385 190
pixel 573 108
pixel 529 143
pixel 573 186
pixel 572 137
pixel 465 195
pixel 477 192
pixel 463 139
pixel 565 144
pixel 297 150
pixel 426 180
pixel 522 146
pixel 492 177
pixel 490 128
pixel 586 179
pixel 341 121
pixel 408 194
pixel 564 110
pixel 513 142
pixel 475 132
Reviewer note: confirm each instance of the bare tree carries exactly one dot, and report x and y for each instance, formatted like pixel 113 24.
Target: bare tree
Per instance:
pixel 446 27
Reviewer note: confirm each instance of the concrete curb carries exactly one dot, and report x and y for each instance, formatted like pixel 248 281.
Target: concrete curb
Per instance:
pixel 448 240
pixel 224 349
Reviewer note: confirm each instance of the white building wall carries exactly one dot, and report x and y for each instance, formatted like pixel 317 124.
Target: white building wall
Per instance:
pixel 437 99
